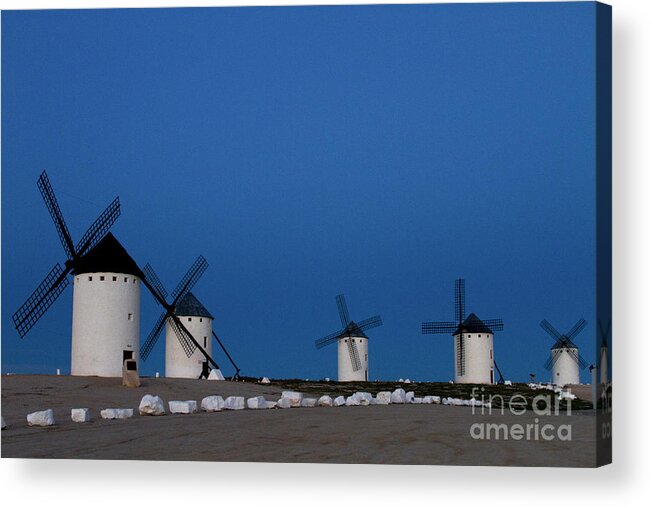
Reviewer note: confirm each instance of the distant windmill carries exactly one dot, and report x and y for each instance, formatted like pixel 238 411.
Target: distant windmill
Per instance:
pixel 565 361
pixel 106 300
pixel 185 319
pixel 352 344
pixel 473 341
pixel 603 356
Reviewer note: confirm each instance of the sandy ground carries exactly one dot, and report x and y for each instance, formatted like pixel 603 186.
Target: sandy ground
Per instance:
pixel 398 434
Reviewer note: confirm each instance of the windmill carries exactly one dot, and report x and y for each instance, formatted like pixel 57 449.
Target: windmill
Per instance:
pixel 185 319
pixel 57 279
pixel 352 344
pixel 106 298
pixel 564 360
pixel 603 356
pixel 473 340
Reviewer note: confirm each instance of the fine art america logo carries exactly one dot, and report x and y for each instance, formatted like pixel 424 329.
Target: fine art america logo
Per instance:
pixel 543 406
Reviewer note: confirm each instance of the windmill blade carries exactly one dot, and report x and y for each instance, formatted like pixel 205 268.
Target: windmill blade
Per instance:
pixel 459 299
pixel 187 282
pixel 552 359
pixel 550 329
pixel 343 310
pixel 370 323
pixel 439 327
pixel 354 355
pixel 155 282
pixel 184 337
pixel 41 299
pixel 52 205
pixel 99 228
pixel 578 327
pixel 494 324
pixel 604 332
pixel 575 355
pixel 327 340
pixel 153 336
pixel 237 370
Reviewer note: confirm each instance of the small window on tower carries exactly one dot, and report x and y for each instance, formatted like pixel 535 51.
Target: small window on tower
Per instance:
pixel 90 278
pixel 130 316
pixel 101 278
pixel 134 280
pixel 189 319
pixel 480 336
pixel 115 278
pixel 200 319
pixel 126 279
pixel 204 342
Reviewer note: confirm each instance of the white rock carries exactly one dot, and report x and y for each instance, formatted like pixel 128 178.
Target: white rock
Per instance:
pixel 4 424
pixel 116 413
pixel 183 407
pixel 410 396
pixel 272 404
pixel 308 402
pixel 352 401
pixel 212 404
pixel 284 403
pixel 432 399
pixel 216 375
pixel 383 398
pixel 407 381
pixel 339 401
pixel 151 405
pixel 325 401
pixel 458 402
pixel 327 379
pixel 401 380
pixel 565 395
pixel 294 397
pixel 256 403
pixel 42 418
pixel 508 383
pixel 416 401
pixel 80 415
pixel 265 380
pixel 364 398
pixel 234 403
pixel 399 396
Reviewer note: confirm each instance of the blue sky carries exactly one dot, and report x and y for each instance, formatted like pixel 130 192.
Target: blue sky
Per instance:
pixel 378 151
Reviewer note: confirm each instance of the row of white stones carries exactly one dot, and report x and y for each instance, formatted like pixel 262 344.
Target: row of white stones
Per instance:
pixel 154 405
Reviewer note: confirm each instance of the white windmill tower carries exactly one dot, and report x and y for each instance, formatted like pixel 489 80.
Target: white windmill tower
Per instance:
pixel 565 360
pixel 473 341
pixel 105 310
pixel 352 344
pixel 105 313
pixel 188 327
pixel 603 356
pixel 198 321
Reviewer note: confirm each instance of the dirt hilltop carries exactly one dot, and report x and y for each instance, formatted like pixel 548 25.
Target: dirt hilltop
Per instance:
pixel 399 434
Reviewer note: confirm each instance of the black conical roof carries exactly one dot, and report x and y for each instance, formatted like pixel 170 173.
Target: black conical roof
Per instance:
pixel 563 343
pixel 353 330
pixel 473 324
pixel 108 256
pixel 190 306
